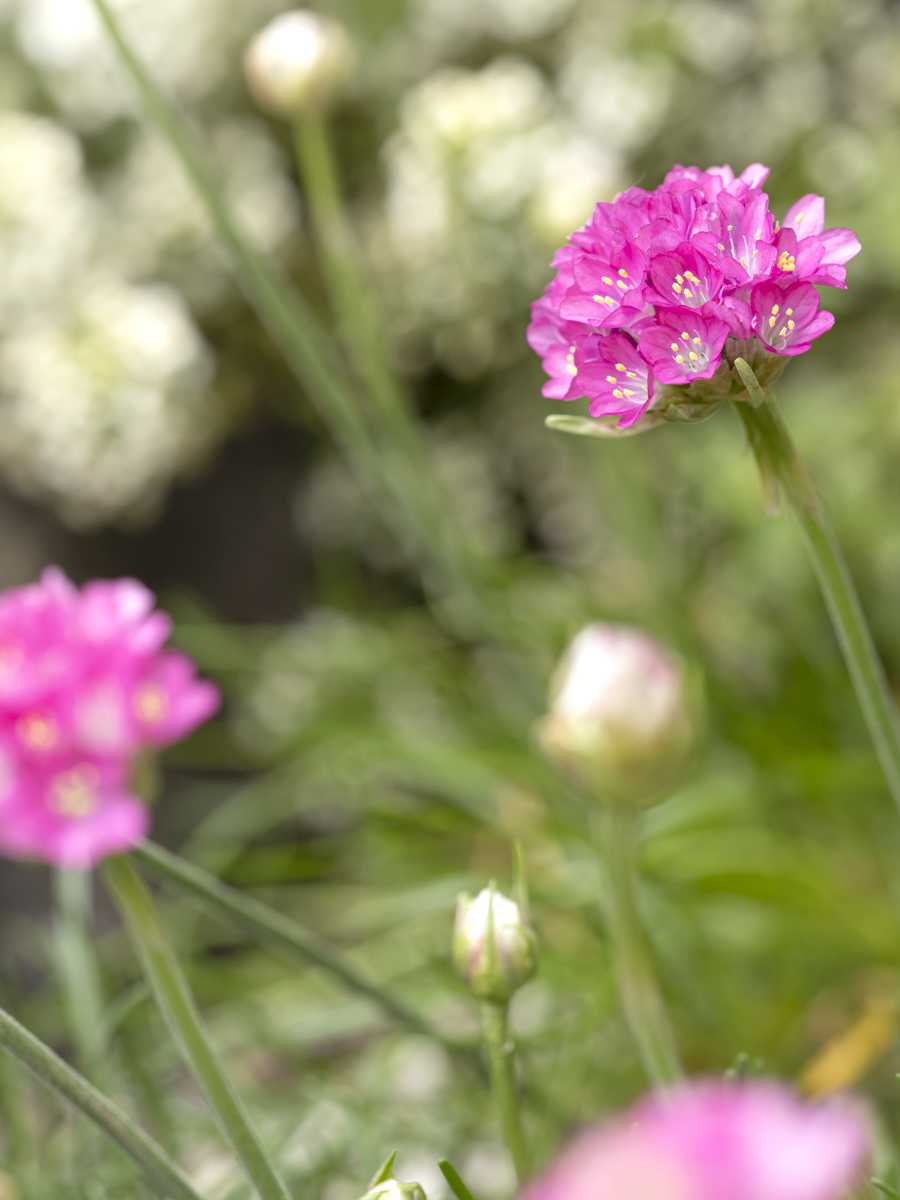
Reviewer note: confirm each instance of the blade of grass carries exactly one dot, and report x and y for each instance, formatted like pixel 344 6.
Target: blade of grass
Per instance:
pixel 165 1177
pixel 176 1003
pixel 274 929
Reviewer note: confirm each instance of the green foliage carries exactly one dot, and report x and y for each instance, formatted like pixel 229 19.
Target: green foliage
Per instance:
pixel 376 755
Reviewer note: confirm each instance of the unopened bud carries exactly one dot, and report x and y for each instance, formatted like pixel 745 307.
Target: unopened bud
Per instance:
pixel 620 714
pixel 494 947
pixel 393 1189
pixel 298 62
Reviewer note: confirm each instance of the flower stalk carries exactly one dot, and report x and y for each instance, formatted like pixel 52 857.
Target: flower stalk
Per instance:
pixel 639 990
pixel 174 998
pixel 783 473
pixel 501 1056
pixel 78 972
pixel 161 1173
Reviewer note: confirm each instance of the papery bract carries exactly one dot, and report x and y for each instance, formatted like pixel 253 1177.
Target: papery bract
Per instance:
pixel 704 242
pixel 84 687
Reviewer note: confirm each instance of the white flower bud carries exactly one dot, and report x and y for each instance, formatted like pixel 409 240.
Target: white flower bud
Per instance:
pixel 619 708
pixel 393 1189
pixel 298 62
pixel 494 948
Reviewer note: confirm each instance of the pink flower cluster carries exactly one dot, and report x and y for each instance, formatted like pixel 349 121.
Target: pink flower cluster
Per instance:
pixel 84 686
pixel 715 1141
pixel 648 291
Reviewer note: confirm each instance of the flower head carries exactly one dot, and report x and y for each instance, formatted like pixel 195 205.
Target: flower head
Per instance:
pixel 298 62
pixel 619 706
pixel 85 685
pixel 493 945
pixel 699 261
pixel 715 1141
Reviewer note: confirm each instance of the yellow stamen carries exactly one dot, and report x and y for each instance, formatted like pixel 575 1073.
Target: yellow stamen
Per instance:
pixel 74 793
pixel 38 732
pixel 151 703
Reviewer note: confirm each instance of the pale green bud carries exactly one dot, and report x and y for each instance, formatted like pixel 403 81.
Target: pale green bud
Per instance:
pixel 494 947
pixel 298 63
pixel 620 712
pixel 393 1189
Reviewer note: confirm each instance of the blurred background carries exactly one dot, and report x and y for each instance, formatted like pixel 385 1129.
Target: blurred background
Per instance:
pixel 375 753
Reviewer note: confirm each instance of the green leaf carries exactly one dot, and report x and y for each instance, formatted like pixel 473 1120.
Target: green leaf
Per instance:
pixel 602 427
pixel 450 1173
pixel 384 1172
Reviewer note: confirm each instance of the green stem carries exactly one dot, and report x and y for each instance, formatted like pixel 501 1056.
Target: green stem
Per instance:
pixel 176 1003
pixel 641 997
pixel 347 285
pixel 79 974
pixel 352 301
pixel 276 930
pixel 414 506
pixel 50 1069
pixel 781 468
pixel 501 1054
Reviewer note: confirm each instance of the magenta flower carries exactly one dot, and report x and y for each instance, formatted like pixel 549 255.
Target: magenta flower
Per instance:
pixel 716 1141
pixel 84 686
pixel 701 256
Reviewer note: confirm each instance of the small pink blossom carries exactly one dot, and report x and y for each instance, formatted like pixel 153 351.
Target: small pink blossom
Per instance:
pixel 703 243
pixel 716 1141
pixel 85 686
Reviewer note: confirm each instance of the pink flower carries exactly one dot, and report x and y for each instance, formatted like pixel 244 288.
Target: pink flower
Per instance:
pixel 682 345
pixel 715 1141
pixel 84 686
pixel 704 241
pixel 618 379
pixel 786 318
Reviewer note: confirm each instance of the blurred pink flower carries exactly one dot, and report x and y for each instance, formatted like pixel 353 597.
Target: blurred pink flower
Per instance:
pixel 715 1141
pixel 84 686
pixel 703 255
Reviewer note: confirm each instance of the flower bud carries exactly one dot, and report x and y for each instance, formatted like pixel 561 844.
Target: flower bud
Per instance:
pixel 393 1189
pixel 619 709
pixel 297 63
pixel 494 948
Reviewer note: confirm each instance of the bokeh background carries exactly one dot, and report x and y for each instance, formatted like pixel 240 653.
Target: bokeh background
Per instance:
pixel 375 753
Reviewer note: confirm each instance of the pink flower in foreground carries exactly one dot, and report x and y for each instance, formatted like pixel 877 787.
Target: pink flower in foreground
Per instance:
pixel 701 254
pixel 715 1141
pixel 84 686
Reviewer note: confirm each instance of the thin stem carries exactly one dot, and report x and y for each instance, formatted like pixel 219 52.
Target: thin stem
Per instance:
pixel 401 477
pixel 347 285
pixel 274 929
pixel 79 974
pixel 353 303
pixel 641 997
pixel 176 1003
pixel 165 1177
pixel 501 1054
pixel 780 465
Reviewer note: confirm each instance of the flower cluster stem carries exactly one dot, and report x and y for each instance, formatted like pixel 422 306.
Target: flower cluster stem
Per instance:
pixel 782 469
pixel 79 974
pixel 176 1003
pixel 164 1176
pixel 501 1055
pixel 639 989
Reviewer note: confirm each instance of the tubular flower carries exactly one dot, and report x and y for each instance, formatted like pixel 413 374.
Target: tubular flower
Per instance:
pixel 684 278
pixel 84 687
pixel 715 1141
